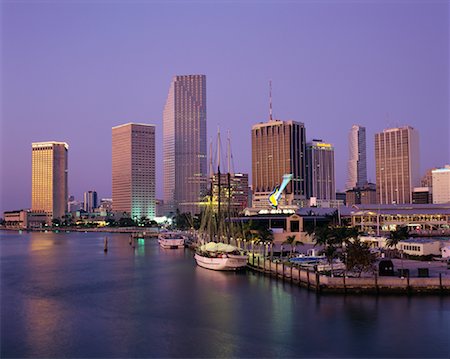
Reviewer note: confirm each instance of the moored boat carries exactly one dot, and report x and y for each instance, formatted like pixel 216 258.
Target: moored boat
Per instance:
pixel 220 256
pixel 171 240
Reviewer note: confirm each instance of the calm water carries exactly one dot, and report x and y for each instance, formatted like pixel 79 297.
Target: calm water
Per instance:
pixel 62 296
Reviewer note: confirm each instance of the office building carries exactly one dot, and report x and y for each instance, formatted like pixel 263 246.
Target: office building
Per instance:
pixel 361 195
pixel 397 164
pixel 133 170
pixel 441 185
pixel 320 182
pixel 90 201
pixel 357 168
pixel 278 148
pixel 49 178
pixel 233 194
pixel 422 195
pixel 184 144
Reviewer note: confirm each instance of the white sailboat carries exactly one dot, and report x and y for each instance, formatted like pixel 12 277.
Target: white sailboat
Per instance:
pixel 209 254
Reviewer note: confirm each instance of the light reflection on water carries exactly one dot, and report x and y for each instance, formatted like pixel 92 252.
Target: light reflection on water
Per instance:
pixel 62 296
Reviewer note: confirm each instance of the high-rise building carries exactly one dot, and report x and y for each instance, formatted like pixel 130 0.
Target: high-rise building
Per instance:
pixel 320 181
pixel 441 185
pixel 233 194
pixel 133 169
pixel 90 201
pixel 184 144
pixel 278 148
pixel 357 168
pixel 397 164
pixel 49 178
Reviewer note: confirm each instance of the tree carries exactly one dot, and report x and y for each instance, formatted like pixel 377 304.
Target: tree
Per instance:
pixel 359 258
pixel 400 234
pixel 292 242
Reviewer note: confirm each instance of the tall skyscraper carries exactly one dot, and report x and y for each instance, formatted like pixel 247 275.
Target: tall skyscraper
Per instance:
pixel 397 164
pixel 133 169
pixel 357 168
pixel 441 185
pixel 320 181
pixel 184 144
pixel 49 178
pixel 90 201
pixel 278 148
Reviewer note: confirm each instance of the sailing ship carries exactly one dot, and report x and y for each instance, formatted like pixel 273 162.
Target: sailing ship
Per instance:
pixel 212 252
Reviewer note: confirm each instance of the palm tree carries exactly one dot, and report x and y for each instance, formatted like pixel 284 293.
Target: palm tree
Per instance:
pixel 401 233
pixel 291 241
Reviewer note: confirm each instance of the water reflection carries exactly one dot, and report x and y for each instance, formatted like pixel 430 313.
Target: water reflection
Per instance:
pixel 62 296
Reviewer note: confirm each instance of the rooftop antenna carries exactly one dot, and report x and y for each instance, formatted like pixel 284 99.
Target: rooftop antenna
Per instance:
pixel 270 100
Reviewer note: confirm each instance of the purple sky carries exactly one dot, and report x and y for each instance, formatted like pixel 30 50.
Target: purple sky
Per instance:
pixel 72 70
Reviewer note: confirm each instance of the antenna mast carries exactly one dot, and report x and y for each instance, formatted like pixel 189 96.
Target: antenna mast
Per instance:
pixel 270 100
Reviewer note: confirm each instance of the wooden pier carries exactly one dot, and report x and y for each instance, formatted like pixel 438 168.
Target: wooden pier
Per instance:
pixel 325 284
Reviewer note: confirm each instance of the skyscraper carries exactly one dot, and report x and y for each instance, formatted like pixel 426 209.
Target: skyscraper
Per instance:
pixel 184 144
pixel 278 148
pixel 49 192
pixel 133 169
pixel 90 201
pixel 357 168
pixel 320 181
pixel 397 164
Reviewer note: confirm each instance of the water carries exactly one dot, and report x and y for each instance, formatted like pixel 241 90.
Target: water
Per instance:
pixel 62 296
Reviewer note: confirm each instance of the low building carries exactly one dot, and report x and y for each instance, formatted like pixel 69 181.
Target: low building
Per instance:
pixel 422 219
pixel 420 247
pixel 25 219
pixel 422 195
pixel 361 195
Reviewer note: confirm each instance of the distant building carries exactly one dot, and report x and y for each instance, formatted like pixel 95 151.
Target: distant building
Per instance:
pixel 90 201
pixel 133 170
pixel 234 196
pixel 422 195
pixel 362 195
pixel 320 181
pixel 184 144
pixel 74 206
pixel 49 178
pixel 341 196
pixel 397 164
pixel 278 148
pixel 357 167
pixel 25 219
pixel 427 179
pixel 105 204
pixel 441 185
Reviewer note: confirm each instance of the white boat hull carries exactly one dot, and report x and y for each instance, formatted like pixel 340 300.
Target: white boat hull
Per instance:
pixel 171 243
pixel 230 262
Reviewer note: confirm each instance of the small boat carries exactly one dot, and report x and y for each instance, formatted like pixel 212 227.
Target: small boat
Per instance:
pixel 171 240
pixel 220 256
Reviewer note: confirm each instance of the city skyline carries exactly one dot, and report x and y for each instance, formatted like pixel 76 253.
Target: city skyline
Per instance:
pixel 335 66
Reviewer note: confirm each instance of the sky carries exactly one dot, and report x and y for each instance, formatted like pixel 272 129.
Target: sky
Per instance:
pixel 71 70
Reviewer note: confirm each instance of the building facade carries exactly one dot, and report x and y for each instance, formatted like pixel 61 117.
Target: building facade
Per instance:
pixel 441 185
pixel 278 148
pixel 320 181
pixel 49 191
pixel 90 201
pixel 133 170
pixel 357 165
pixel 184 144
pixel 361 195
pixel 233 195
pixel 397 164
